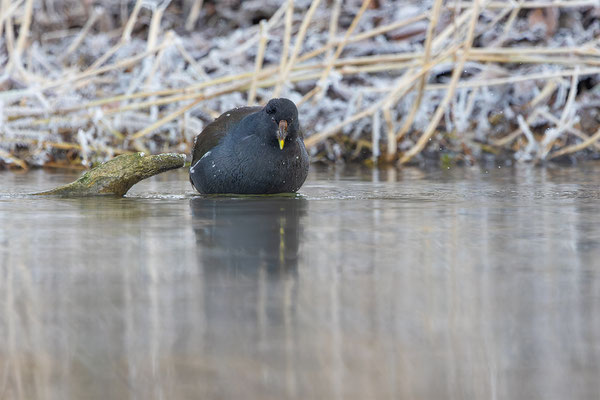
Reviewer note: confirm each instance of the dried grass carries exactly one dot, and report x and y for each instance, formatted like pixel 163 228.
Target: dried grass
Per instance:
pixel 80 84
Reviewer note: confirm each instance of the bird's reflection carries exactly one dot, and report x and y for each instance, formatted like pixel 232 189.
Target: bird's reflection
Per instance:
pixel 248 233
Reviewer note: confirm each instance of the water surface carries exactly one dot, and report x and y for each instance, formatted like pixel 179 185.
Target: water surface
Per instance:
pixel 462 283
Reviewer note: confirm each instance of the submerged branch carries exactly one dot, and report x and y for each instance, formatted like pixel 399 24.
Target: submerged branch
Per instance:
pixel 117 176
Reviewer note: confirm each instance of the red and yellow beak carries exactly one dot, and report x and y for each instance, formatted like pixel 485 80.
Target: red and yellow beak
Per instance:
pixel 282 133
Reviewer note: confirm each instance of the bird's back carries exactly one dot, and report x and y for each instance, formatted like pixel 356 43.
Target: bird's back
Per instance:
pixel 212 134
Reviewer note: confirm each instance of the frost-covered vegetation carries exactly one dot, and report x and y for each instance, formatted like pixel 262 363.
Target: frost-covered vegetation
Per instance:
pixel 388 81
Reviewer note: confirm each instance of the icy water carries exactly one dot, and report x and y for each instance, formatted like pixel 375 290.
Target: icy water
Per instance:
pixel 456 284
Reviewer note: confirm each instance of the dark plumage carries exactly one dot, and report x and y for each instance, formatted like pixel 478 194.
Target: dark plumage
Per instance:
pixel 251 150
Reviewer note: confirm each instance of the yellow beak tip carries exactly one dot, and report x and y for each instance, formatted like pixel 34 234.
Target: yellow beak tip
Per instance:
pixel 280 144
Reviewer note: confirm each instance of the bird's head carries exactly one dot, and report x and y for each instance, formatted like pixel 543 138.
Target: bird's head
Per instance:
pixel 283 116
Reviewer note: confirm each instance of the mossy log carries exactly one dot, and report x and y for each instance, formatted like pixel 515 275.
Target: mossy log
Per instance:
pixel 115 177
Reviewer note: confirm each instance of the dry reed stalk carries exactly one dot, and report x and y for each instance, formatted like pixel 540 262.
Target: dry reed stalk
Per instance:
pixel 260 55
pixel 10 38
pixel 435 14
pixel 184 97
pixel 6 11
pixel 438 41
pixel 106 125
pixel 456 73
pixel 263 73
pixel 531 142
pixel 574 131
pixel 193 89
pixel 298 45
pixel 338 51
pixel 566 115
pixel 154 28
pixel 170 117
pixel 514 134
pixel 190 60
pixel 520 78
pixel 90 72
pixel 509 23
pixel 333 22
pixel 7 156
pixel 132 60
pixel 255 37
pixel 390 133
pixel 533 50
pixel 289 14
pixel 199 98
pixel 194 14
pixel 131 21
pixel 401 87
pixel 376 129
pixel 493 5
pixel 67 146
pixel 243 84
pixel 518 56
pixel 54 164
pixel 96 13
pixel 128 62
pixel 529 60
pixel 125 36
pixel 102 59
pixel 363 36
pixel 500 16
pixel 15 60
pixel 168 41
pixel 230 78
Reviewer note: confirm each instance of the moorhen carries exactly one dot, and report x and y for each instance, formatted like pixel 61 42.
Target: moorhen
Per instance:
pixel 251 150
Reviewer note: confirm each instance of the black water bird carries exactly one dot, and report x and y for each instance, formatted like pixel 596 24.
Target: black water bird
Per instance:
pixel 251 150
